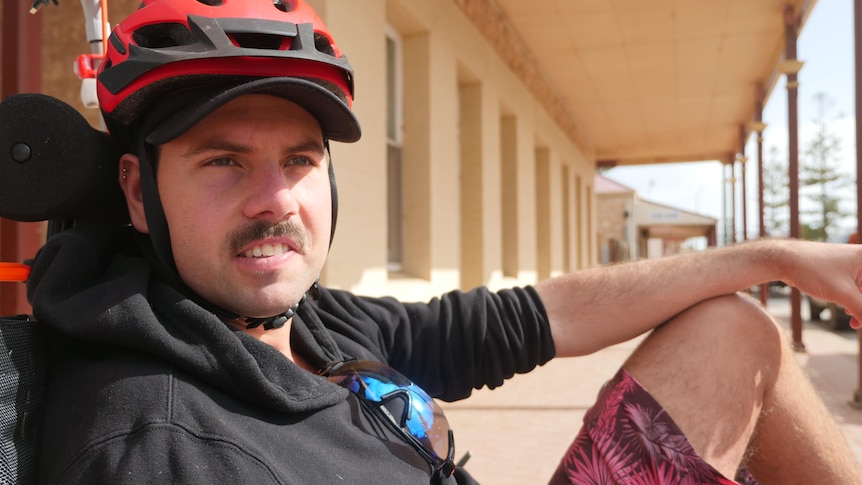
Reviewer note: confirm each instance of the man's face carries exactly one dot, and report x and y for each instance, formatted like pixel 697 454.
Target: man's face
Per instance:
pixel 246 194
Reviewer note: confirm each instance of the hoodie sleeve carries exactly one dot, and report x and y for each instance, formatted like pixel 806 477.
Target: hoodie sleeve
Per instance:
pixel 449 345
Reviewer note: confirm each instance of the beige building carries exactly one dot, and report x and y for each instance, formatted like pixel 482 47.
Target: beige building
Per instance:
pixel 492 190
pixel 484 121
pixel 461 178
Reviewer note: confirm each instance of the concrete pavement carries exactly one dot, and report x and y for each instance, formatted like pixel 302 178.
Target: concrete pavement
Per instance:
pixel 517 433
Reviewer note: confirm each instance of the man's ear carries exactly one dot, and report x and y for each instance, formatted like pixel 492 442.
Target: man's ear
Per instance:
pixel 130 182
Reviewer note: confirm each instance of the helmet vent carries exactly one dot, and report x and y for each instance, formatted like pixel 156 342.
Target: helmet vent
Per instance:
pixel 212 3
pixel 284 5
pixel 159 36
pixel 323 44
pixel 258 41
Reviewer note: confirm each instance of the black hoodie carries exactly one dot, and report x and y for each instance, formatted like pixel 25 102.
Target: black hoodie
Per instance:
pixel 149 387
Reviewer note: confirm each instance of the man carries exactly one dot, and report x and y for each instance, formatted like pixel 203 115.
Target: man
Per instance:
pixel 196 347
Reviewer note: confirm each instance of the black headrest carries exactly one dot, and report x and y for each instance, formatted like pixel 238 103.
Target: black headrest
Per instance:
pixel 54 165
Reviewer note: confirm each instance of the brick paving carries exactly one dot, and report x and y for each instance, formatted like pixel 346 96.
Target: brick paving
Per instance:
pixel 517 433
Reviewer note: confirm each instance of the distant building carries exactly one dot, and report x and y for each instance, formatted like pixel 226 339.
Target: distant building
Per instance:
pixel 631 228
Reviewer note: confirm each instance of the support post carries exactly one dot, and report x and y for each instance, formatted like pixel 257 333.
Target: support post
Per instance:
pixel 757 126
pixel 857 37
pixel 791 67
pixel 744 199
pixel 732 182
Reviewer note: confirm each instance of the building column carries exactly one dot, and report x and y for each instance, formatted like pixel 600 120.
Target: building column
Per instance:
pixel 791 67
pixel 757 126
pixel 733 235
pixel 728 194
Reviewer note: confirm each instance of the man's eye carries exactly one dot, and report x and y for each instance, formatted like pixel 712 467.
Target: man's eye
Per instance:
pixel 221 162
pixel 300 161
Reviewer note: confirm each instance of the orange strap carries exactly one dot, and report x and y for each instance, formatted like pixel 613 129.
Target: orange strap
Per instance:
pixel 14 272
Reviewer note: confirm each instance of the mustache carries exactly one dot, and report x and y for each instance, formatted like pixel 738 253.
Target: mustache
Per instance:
pixel 257 230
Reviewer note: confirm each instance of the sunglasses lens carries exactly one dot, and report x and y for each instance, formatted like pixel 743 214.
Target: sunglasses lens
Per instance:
pixel 409 405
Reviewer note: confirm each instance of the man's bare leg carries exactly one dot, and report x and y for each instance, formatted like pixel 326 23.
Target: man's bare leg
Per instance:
pixel 727 376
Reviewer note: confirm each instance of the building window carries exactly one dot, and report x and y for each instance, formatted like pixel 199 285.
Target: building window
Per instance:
pixel 394 152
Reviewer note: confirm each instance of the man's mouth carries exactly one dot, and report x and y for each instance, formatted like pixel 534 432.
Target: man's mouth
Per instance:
pixel 266 250
pixel 261 239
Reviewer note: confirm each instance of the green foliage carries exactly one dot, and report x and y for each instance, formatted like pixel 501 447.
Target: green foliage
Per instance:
pixel 821 181
pixel 776 202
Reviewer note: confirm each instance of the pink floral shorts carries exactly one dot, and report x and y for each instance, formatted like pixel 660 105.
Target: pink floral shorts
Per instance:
pixel 628 438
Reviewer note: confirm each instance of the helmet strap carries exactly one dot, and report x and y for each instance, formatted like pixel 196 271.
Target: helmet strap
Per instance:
pixel 157 223
pixel 333 192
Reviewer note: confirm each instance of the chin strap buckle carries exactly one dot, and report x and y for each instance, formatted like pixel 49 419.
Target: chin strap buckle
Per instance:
pixel 276 321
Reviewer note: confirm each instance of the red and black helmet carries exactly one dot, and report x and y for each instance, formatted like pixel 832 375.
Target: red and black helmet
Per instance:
pixel 204 49
pixel 172 62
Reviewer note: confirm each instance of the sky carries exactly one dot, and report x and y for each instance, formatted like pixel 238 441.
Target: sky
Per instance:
pixel 825 44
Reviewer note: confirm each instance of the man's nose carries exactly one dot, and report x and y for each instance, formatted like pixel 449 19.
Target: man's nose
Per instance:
pixel 270 195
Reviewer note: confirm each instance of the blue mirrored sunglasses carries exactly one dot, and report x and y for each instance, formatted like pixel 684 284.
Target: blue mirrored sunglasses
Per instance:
pixel 411 412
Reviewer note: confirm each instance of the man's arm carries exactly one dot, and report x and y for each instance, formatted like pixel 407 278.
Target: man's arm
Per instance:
pixel 594 308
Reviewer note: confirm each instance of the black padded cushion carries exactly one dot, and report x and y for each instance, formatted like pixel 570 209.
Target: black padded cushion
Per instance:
pixel 54 165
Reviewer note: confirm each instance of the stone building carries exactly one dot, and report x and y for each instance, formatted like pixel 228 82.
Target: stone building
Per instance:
pixel 629 227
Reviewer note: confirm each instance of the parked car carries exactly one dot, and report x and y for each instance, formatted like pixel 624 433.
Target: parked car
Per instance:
pixel 837 319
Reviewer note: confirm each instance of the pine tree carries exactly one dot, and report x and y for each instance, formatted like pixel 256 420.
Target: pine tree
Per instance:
pixel 820 178
pixel 776 204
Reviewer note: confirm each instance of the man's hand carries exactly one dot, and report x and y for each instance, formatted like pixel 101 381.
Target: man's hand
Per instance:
pixel 831 272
